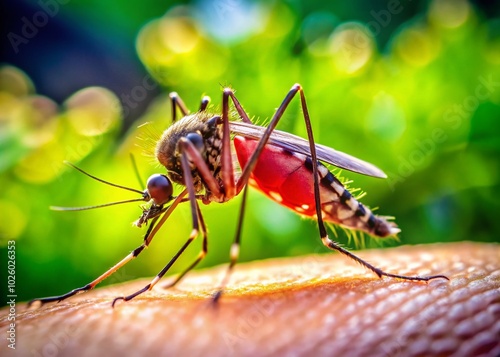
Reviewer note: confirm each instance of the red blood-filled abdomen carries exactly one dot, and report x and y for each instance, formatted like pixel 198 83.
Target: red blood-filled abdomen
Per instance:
pixel 281 176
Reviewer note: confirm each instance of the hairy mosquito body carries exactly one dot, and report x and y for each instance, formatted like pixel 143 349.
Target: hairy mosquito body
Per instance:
pixel 205 132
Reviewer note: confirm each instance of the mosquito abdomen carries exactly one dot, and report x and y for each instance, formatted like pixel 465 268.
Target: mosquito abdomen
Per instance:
pixel 286 177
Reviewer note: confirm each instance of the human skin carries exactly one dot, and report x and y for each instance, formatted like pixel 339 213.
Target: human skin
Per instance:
pixel 317 305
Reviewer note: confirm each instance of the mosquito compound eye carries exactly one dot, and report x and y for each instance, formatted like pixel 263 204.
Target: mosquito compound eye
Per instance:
pixel 160 188
pixel 197 140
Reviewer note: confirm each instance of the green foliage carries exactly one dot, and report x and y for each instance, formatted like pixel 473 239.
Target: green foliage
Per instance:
pixel 424 108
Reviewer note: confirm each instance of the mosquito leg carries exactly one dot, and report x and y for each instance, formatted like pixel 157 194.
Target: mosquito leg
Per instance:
pixel 91 285
pixel 148 237
pixel 189 149
pixel 322 230
pixel 204 103
pixel 235 248
pixel 227 162
pixel 195 214
pixel 177 103
pixel 227 171
pixel 243 115
pixel 149 286
pixel 247 170
pixel 200 257
pixel 334 246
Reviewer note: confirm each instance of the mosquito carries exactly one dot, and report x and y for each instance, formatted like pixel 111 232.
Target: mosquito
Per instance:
pixel 196 152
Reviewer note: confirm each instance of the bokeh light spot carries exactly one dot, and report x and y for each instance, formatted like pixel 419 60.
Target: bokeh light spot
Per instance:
pixel 449 13
pixel 179 35
pixel 150 46
pixel 42 165
pixel 93 111
pixel 417 46
pixel 41 116
pixel 279 21
pixel 15 81
pixel 351 47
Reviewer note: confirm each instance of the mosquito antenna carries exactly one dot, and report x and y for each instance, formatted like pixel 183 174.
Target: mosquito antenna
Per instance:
pixel 103 181
pixel 136 170
pixel 58 208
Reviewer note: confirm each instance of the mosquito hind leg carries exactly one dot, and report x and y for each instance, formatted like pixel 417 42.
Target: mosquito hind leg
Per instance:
pixel 380 273
pixel 297 88
pixel 321 225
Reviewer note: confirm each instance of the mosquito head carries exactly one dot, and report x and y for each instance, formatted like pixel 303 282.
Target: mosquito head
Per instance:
pixel 159 188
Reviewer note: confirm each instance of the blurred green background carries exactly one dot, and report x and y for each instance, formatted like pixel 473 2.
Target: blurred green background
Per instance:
pixel 413 87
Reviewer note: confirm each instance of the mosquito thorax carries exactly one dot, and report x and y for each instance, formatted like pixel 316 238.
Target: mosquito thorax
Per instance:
pixel 204 131
pixel 160 188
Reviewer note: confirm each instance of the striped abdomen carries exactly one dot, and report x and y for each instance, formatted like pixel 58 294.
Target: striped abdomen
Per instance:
pixel 286 177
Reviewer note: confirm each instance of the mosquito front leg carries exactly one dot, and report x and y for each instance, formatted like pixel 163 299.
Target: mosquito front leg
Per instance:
pixel 93 284
pixel 149 286
pixel 148 237
pixel 186 151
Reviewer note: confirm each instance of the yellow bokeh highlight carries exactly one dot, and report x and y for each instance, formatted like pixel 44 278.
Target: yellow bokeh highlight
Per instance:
pixel 15 81
pixel 351 47
pixel 417 46
pixel 93 111
pixel 279 21
pixel 173 47
pixel 449 13
pixel 41 115
pixel 11 114
pixel 179 35
pixel 42 165
pixel 150 46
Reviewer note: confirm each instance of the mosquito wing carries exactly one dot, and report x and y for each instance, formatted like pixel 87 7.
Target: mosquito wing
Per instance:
pixel 297 144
